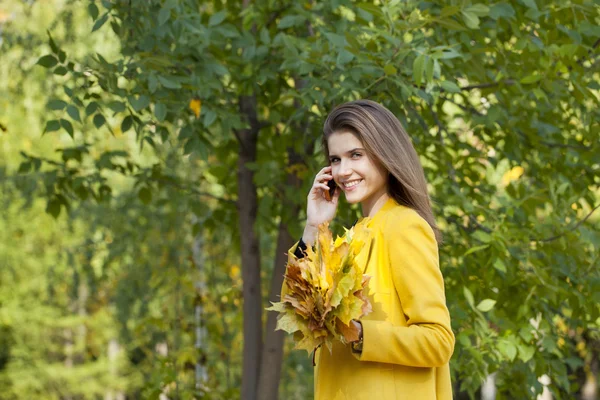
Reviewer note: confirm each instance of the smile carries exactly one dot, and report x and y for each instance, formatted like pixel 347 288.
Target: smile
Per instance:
pixel 352 184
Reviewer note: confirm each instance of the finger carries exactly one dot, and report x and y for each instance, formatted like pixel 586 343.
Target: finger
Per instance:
pixel 323 175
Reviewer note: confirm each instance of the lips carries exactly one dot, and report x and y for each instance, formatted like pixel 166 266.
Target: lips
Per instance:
pixel 354 184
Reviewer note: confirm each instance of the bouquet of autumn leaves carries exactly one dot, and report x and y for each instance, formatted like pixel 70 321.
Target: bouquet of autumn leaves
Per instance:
pixel 325 290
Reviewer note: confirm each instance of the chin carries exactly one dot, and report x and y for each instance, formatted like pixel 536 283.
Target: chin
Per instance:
pixel 353 200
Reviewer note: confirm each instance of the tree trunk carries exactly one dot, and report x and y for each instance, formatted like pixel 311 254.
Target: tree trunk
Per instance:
pixel 247 209
pixel 201 375
pixel 272 355
pixel 270 369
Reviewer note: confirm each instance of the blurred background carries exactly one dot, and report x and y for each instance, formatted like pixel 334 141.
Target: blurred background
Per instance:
pixel 155 158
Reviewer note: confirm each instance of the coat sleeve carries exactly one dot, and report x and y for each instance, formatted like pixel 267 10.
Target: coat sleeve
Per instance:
pixel 427 340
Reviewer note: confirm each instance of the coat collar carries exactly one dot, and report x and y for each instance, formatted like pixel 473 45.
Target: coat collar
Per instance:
pixel 379 215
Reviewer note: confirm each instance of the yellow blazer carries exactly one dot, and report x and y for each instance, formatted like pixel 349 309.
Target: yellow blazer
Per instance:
pixel 407 339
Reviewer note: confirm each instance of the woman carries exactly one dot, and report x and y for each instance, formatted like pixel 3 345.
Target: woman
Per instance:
pixel 405 344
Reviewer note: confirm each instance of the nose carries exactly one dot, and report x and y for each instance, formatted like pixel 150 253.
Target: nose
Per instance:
pixel 345 170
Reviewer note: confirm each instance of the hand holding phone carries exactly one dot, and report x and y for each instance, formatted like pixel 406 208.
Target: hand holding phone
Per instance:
pixel 322 201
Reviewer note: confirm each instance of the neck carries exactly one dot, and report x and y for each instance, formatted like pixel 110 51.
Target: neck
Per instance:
pixel 370 207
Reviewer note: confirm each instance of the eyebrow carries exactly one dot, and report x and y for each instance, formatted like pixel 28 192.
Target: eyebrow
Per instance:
pixel 348 152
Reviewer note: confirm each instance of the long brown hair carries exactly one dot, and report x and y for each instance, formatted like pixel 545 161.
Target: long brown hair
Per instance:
pixel 386 142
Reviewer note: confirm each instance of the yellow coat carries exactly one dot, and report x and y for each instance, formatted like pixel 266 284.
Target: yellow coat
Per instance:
pixel 407 339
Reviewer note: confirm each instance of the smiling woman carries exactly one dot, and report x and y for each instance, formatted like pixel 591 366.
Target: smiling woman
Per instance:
pixel 405 344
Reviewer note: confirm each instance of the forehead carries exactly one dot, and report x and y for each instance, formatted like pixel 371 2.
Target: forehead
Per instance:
pixel 341 142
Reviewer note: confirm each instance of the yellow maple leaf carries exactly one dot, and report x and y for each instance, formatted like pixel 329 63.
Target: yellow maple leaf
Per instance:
pixel 196 106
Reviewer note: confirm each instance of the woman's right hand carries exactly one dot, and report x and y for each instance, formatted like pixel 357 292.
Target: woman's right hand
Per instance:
pixel 319 209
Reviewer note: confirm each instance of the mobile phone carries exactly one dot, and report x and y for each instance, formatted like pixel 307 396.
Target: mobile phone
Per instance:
pixel 332 186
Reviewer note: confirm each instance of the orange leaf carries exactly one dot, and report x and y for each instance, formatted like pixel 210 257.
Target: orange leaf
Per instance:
pixel 350 331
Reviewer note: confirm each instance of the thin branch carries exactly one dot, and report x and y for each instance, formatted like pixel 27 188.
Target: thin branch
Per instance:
pixel 486 85
pixel 193 191
pixel 276 14
pixel 568 230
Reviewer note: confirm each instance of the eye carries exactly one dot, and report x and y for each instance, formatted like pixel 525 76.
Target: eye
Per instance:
pixel 356 154
pixel 333 159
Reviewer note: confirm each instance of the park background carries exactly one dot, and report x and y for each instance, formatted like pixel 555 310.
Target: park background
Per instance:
pixel 155 158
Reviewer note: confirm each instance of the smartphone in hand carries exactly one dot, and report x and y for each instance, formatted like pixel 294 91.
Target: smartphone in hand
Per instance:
pixel 332 186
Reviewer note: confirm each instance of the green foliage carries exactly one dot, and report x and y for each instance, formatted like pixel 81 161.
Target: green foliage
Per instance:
pixel 501 101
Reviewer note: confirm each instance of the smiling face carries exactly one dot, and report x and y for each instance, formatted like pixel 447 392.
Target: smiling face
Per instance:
pixel 362 179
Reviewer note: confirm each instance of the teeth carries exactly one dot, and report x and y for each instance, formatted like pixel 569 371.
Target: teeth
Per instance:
pixel 351 184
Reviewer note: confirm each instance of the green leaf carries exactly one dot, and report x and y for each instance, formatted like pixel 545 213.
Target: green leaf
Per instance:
pixel 24 167
pixel 47 61
pixel 117 106
pixel 499 265
pixel 335 39
pixel 99 120
pixel 470 19
pixel 98 24
pixel 469 296
pixel 52 43
pixel 502 10
pixel 344 57
pixel 530 79
pixel 169 84
pixel 278 306
pixel 389 69
pixel 418 67
pixel 482 236
pixel 526 352
pixel 450 86
pixel 449 23
pixel 429 67
pixel 476 248
pixel 486 305
pixel 531 4
pixel 73 113
pixel 448 11
pixel 145 195
pixel 478 9
pixel 53 207
pixel 291 20
pixel 140 102
pixel 91 108
pixel 209 117
pixel 160 111
pixel 93 11
pixel 163 15
pixel 60 70
pixel 217 18
pixel 288 322
pixel 447 55
pixel 126 124
pixel 67 126
pixel 52 126
pixel 56 104
pixel 264 36
pixel 507 349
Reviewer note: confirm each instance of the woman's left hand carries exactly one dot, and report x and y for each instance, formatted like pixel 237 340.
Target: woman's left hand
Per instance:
pixel 358 325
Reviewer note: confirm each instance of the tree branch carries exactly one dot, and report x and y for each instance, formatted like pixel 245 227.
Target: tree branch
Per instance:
pixel 486 85
pixel 179 186
pixel 568 230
